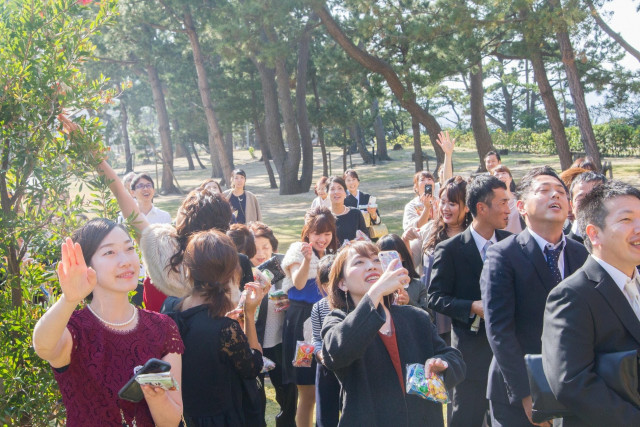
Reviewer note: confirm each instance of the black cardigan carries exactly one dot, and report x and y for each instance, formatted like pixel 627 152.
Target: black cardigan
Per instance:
pixel 371 392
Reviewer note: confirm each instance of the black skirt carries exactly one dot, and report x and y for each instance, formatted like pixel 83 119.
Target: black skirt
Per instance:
pixel 293 331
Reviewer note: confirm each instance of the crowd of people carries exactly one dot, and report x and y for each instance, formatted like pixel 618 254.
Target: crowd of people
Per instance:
pixel 487 272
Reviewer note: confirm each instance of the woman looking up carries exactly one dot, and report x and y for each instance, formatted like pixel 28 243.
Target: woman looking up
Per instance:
pixel 300 265
pixel 94 351
pixel 367 343
pixel 348 220
pixel 243 202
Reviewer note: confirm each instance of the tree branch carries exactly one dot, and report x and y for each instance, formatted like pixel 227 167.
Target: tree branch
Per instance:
pixel 615 36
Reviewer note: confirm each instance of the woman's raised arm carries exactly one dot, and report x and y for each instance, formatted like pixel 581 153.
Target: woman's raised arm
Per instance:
pixel 127 203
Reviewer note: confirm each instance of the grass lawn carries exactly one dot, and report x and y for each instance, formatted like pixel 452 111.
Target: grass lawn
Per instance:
pixel 390 182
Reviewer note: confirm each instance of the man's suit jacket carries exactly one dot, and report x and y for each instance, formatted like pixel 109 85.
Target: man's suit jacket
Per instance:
pixel 515 282
pixel 587 314
pixel 455 285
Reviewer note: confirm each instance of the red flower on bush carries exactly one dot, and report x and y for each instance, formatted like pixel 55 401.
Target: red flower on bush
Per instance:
pixel 84 2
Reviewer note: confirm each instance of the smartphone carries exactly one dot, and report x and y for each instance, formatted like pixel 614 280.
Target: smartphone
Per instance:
pixel 386 257
pixel 428 189
pixel 131 390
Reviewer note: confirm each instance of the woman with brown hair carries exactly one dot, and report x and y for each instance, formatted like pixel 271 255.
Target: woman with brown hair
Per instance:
pixel 300 265
pixel 453 218
pixel 503 173
pixel 422 208
pixel 162 245
pixel 218 355
pixel 368 342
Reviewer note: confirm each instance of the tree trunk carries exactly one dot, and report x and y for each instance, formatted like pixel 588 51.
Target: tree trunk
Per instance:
pixel 167 184
pixel 615 36
pixel 323 148
pixel 478 122
pixel 356 135
pixel 378 127
pixel 205 94
pixel 301 109
pixel 124 121
pixel 508 101
pixel 195 153
pixel 405 97
pixel 185 148
pixel 417 144
pixel 181 146
pixel 228 149
pixel 551 108
pixel 576 90
pixel 262 140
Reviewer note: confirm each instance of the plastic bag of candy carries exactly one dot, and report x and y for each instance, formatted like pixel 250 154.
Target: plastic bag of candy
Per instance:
pixel 430 388
pixel 267 365
pixel 280 300
pixel 263 278
pixel 303 355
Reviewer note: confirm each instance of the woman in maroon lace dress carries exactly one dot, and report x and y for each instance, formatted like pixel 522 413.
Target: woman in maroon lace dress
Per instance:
pixel 94 350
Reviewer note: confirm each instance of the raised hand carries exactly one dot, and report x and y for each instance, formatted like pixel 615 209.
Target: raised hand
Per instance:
pixel 446 143
pixel 76 279
pixel 255 294
pixel 307 251
pixel 393 279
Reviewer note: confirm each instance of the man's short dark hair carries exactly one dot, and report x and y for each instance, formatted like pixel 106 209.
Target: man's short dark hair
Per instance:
pixel 527 181
pixel 586 177
pixel 493 153
pixel 137 179
pixel 592 207
pixel 480 189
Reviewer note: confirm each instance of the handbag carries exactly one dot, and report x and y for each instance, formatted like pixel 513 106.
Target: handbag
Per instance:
pixel 618 370
pixel 378 230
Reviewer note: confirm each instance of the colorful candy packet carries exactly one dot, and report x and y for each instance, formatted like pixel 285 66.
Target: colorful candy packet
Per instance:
pixel 428 387
pixel 304 354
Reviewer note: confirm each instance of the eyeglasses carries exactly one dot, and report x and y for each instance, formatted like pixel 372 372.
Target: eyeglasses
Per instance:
pixel 142 186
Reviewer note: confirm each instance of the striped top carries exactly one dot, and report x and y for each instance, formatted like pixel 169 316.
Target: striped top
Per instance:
pixel 319 311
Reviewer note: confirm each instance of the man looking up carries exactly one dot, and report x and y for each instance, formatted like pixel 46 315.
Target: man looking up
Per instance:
pixel 455 292
pixel 517 276
pixel 597 310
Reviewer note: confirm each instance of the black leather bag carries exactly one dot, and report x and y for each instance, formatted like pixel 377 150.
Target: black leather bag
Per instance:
pixel 618 370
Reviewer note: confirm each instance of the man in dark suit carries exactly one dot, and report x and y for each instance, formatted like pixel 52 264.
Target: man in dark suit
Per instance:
pixel 455 292
pixel 517 276
pixel 580 187
pixel 597 310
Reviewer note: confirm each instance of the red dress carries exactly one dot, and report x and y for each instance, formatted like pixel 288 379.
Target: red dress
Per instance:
pixel 102 361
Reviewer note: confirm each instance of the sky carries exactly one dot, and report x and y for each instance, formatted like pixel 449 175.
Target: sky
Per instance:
pixel 625 20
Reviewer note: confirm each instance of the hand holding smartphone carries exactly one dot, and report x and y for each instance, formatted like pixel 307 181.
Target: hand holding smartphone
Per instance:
pixel 131 390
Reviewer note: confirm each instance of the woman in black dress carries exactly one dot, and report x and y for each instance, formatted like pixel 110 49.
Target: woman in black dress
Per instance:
pixel 218 355
pixel 348 220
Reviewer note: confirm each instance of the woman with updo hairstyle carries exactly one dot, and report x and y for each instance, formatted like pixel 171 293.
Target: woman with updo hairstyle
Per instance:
pixel 243 239
pixel 219 354
pixel 94 350
pixel 300 265
pixel 368 343
pixel 162 245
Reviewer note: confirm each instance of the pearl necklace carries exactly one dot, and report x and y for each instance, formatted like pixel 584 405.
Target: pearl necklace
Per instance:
pixel 113 324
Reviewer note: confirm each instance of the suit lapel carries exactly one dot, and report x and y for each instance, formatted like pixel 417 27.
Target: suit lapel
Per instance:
pixel 470 251
pixel 534 254
pixel 614 296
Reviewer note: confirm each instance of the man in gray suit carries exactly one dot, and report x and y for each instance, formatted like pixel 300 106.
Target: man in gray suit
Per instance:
pixel 596 310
